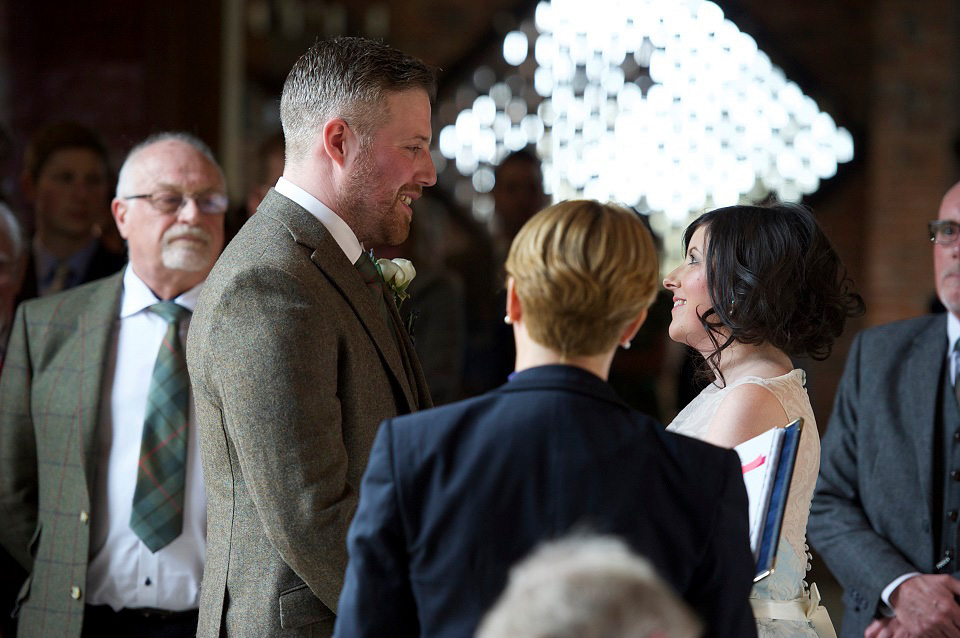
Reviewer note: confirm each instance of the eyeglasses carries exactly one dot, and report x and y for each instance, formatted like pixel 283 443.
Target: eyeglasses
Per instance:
pixel 944 232
pixel 171 201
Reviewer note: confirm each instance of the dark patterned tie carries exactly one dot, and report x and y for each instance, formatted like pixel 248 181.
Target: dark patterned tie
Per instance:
pixel 59 278
pixel 371 277
pixel 157 516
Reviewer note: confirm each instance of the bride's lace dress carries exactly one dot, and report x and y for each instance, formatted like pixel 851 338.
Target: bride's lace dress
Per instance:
pixel 792 562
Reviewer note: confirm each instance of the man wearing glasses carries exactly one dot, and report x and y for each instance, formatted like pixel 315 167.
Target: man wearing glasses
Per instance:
pixel 885 511
pixel 101 488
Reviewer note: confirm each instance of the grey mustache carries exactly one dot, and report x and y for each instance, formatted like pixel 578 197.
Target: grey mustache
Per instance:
pixel 186 231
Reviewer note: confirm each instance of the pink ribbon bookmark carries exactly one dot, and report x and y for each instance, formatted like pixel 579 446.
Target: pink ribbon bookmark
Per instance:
pixel 754 464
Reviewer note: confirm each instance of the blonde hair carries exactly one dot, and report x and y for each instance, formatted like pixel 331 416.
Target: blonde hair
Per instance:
pixel 590 587
pixel 582 271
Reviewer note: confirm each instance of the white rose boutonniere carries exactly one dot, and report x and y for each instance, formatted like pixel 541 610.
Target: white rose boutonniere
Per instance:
pixel 397 274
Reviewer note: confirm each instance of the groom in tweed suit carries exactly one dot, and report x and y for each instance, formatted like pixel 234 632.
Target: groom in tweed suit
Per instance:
pixel 294 354
pixel 77 402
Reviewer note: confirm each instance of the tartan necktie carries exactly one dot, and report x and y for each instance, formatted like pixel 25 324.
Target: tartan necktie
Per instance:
pixel 157 515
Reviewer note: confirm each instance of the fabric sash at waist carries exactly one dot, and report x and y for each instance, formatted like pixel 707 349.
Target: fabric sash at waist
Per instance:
pixel 805 609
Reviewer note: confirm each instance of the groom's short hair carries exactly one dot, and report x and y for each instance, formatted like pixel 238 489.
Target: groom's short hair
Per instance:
pixel 350 78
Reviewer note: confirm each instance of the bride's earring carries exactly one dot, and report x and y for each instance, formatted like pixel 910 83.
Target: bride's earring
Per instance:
pixel 507 320
pixel 625 345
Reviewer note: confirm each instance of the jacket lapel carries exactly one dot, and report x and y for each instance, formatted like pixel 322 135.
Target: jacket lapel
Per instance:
pixel 329 258
pixel 344 276
pixel 923 369
pixel 94 328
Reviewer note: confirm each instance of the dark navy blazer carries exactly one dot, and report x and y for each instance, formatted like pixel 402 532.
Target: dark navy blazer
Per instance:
pixel 453 496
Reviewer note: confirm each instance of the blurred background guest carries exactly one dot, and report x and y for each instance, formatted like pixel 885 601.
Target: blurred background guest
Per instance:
pixel 588 587
pixel 66 181
pixel 517 195
pixel 641 374
pixel 268 168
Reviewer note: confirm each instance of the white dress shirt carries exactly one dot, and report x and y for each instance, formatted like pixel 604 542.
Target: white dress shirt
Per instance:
pixel 953 333
pixel 341 232
pixel 122 571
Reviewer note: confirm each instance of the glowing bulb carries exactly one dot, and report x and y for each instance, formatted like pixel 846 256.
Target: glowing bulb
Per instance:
pixel 515 47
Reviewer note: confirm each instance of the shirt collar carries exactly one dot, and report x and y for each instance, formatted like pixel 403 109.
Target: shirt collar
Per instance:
pixel 953 331
pixel 137 296
pixel 338 229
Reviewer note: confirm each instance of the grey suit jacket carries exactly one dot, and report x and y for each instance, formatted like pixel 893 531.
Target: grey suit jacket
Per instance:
pixel 49 409
pixel 293 368
pixel 872 512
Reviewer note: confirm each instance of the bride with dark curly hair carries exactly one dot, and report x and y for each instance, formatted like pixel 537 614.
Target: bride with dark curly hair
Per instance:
pixel 758 286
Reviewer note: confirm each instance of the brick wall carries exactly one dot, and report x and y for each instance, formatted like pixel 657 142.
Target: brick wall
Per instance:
pixel 913 122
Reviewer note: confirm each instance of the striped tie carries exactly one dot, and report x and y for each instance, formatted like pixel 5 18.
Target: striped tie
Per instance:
pixel 157 516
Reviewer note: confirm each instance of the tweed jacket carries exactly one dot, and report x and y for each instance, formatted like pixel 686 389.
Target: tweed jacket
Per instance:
pixel 872 512
pixel 293 367
pixel 454 496
pixel 49 409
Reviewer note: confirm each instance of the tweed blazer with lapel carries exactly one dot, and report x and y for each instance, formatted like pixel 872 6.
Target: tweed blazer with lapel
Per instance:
pixel 293 368
pixel 872 512
pixel 49 409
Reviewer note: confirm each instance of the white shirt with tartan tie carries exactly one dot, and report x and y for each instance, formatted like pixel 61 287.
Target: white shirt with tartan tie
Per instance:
pixel 122 572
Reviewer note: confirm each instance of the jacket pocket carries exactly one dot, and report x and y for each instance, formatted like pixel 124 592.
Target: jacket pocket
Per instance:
pixel 299 607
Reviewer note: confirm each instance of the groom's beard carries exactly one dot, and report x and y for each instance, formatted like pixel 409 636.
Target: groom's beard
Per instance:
pixel 376 213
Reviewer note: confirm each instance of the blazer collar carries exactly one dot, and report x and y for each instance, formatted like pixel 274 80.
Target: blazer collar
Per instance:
pixel 333 263
pixel 563 377
pixel 333 223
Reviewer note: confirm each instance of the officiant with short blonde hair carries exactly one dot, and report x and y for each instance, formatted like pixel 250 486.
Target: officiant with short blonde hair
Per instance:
pixel 453 496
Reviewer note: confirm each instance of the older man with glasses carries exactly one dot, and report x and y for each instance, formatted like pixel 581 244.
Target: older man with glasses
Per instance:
pixel 101 487
pixel 885 512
